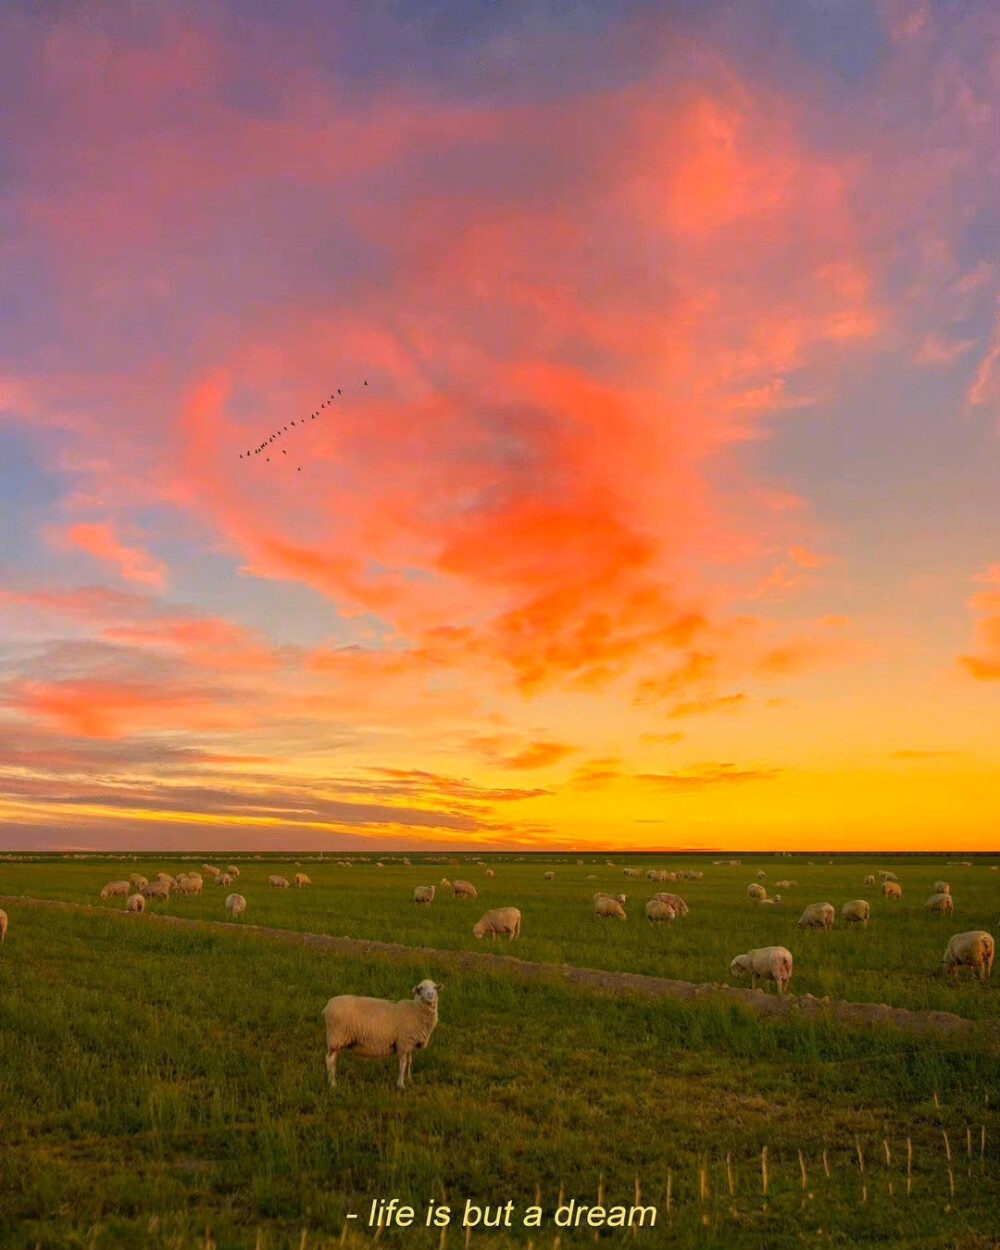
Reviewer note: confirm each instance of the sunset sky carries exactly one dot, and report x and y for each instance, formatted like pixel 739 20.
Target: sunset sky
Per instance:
pixel 669 515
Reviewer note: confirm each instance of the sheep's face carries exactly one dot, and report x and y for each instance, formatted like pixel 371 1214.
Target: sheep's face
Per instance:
pixel 427 992
pixel 478 929
pixel 738 967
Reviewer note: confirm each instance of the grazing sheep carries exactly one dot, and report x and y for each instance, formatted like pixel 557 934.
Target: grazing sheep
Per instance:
pixel 423 894
pixel 301 879
pixel 633 874
pixel 162 877
pixel 499 920
pixel 690 875
pixel 857 911
pixel 887 876
pixel 446 882
pixel 135 903
pixel 549 876
pixel 621 898
pixel 943 903
pixel 464 889
pixel 156 889
pixel 137 880
pixel 675 901
pixel 278 883
pixel 236 904
pixel 974 949
pixel 756 892
pixel 659 913
pixel 605 907
pixel 942 887
pixel 817 916
pixel 211 869
pixel 189 885
pixel 870 879
pixel 232 870
pixel 892 889
pixel 3 926
pixel 375 1027
pixel 785 885
pixel 117 889
pixel 770 902
pixel 761 875
pixel 490 872
pixel 767 963
pixel 380 865
pixel 224 878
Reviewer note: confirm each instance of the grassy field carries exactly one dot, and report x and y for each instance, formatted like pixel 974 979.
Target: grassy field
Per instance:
pixel 166 1088
pixel 897 960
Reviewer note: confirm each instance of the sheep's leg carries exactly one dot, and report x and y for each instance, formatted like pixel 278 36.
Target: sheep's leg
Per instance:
pixel 331 1065
pixel 404 1067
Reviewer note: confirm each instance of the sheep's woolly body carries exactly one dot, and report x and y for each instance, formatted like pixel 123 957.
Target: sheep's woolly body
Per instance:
pixel 117 889
pixel 278 883
pixel 622 898
pixel 942 887
pixel 135 903
pixel 605 907
pixel 464 889
pixel 137 880
pixel 423 894
pixel 498 921
pixel 659 913
pixel 941 902
pixel 675 901
pixel 768 963
pixel 857 911
pixel 375 1027
pixel 236 904
pixel 869 880
pixel 974 949
pixel 224 878
pixel 3 925
pixel 189 885
pixel 755 892
pixel 892 889
pixel 232 870
pixel 301 879
pixel 818 916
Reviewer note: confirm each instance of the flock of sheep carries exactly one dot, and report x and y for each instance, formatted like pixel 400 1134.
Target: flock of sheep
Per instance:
pixel 375 1028
pixel 137 889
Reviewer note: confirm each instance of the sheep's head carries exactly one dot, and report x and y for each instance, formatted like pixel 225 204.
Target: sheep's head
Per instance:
pixel 478 929
pixel 427 992
pixel 740 966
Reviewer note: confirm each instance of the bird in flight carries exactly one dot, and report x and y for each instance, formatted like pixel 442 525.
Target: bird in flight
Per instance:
pixel 294 424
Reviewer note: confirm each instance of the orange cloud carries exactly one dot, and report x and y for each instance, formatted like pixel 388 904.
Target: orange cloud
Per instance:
pixel 700 707
pixel 98 540
pixel 538 755
pixel 986 665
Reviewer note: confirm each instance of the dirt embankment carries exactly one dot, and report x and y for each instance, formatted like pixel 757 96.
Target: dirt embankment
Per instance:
pixel 621 983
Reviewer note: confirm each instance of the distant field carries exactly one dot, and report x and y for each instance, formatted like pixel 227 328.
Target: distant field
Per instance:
pixel 166 1088
pixel 897 960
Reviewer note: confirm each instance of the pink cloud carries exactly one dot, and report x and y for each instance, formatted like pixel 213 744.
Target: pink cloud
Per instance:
pixel 99 540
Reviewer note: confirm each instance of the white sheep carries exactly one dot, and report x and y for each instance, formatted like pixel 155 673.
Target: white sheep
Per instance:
pixel 942 887
pixel 974 949
pixel 818 916
pixel 189 885
pixel 236 904
pixel 857 911
pixel 232 870
pixel 423 894
pixel 155 889
pixel 892 889
pixel 375 1027
pixel 490 872
pixel 211 869
pixel 137 880
pixel 3 926
pixel 301 879
pixel 278 883
pixel 548 876
pixel 499 920
pixel 756 892
pixel 224 878
pixel 770 902
pixel 767 963
pixel 162 877
pixel 659 913
pixel 135 903
pixel 943 903
pixel 675 901
pixel 785 885
pixel 691 874
pixel 117 889
pixel 464 889
pixel 633 874
pixel 886 875
pixel 605 907
pixel 870 879
pixel 621 898
pixel 761 875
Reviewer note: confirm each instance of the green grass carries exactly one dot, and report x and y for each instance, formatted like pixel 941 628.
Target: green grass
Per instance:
pixel 897 960
pixel 166 1088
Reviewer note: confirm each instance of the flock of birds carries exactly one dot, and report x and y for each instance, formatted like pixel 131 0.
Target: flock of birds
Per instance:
pixel 262 448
